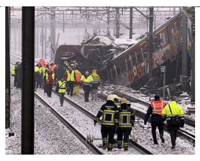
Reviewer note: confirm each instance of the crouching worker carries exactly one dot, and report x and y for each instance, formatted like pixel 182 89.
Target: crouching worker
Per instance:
pixel 61 90
pixel 126 122
pixel 109 113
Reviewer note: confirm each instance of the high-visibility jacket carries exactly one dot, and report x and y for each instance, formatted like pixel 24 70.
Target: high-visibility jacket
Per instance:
pixel 77 75
pixel 96 80
pixel 41 69
pixel 13 69
pixel 61 86
pixel 109 113
pixel 70 76
pixel 157 106
pixel 50 77
pixel 176 109
pixel 44 71
pixel 86 80
pixel 126 116
pixel 36 69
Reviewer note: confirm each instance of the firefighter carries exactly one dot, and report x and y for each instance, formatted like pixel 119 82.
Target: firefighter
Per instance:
pixel 13 73
pixel 77 81
pixel 155 109
pixel 86 83
pixel 126 122
pixel 109 113
pixel 61 90
pixel 70 80
pixel 95 83
pixel 171 111
pixel 49 81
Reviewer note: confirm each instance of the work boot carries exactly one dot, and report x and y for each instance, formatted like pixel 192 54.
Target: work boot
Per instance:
pixel 125 148
pixel 162 139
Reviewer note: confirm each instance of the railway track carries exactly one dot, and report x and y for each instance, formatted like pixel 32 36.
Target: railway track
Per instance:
pixel 82 138
pixel 133 144
pixel 183 133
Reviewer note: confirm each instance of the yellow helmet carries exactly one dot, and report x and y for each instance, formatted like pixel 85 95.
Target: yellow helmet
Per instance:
pixel 123 100
pixel 110 98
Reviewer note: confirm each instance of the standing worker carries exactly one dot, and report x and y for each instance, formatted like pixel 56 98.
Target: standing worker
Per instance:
pixel 70 80
pixel 155 110
pixel 172 113
pixel 41 68
pixel 86 82
pixel 13 73
pixel 18 73
pixel 109 113
pixel 95 83
pixel 49 81
pixel 44 78
pixel 77 81
pixel 61 90
pixel 126 122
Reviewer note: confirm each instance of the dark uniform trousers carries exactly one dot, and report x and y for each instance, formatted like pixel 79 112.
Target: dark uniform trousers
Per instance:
pixel 70 87
pixel 123 131
pixel 107 131
pixel 173 134
pixel 86 89
pixel 156 120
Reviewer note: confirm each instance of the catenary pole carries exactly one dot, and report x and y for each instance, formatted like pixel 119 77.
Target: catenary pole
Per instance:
pixel 7 56
pixel 184 54
pixel 150 42
pixel 131 23
pixel 28 28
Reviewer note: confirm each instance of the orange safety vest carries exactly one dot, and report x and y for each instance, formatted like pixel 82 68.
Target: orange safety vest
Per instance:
pixel 77 76
pixel 157 107
pixel 52 67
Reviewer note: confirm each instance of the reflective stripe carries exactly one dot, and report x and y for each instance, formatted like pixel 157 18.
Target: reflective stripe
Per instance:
pixel 111 121
pixel 126 114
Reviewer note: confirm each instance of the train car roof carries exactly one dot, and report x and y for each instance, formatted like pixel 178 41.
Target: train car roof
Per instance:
pixel 141 40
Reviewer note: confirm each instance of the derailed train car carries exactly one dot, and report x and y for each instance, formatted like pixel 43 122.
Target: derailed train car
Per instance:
pixel 131 67
pixel 93 53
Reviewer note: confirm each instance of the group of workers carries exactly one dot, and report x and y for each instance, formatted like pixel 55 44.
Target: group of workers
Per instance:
pixel 117 116
pixel 66 78
pixel 121 118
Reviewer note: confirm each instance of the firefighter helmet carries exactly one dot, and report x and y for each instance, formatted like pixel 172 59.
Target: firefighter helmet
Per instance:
pixel 123 100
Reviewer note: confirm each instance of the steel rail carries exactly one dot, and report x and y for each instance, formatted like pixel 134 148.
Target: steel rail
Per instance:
pixel 188 120
pixel 83 139
pixel 181 132
pixel 133 144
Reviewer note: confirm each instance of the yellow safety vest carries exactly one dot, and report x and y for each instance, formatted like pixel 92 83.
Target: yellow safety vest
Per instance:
pixel 86 81
pixel 36 69
pixel 62 86
pixel 41 69
pixel 70 76
pixel 13 70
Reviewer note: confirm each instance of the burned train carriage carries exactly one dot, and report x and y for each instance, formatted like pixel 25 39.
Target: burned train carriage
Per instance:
pixel 130 68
